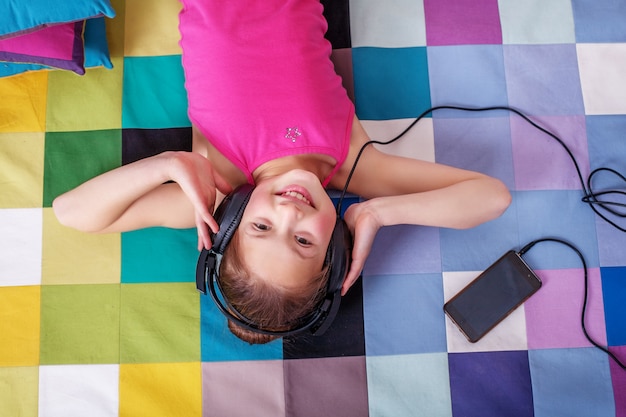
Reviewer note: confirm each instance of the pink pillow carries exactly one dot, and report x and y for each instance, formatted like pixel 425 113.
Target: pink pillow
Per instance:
pixel 59 46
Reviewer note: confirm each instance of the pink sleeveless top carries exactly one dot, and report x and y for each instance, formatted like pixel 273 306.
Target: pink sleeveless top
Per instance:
pixel 260 82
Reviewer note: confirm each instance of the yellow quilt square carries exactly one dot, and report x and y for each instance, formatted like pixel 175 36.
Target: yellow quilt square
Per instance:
pixel 21 169
pixel 92 102
pixel 19 326
pixel 23 102
pixel 73 257
pixel 162 389
pixel 19 391
pixel 152 28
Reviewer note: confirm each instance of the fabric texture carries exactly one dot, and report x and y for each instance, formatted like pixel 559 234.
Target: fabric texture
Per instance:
pixel 264 86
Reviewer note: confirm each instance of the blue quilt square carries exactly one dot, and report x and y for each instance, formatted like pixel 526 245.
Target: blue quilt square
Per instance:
pixel 467 75
pixel 477 144
pixel 402 314
pixel 154 93
pixel 404 249
pixel 390 83
pixel 552 88
pixel 219 344
pixel 556 214
pixel 476 248
pixel 546 22
pixel 607 147
pixel 159 255
pixel 409 385
pixel 491 384
pixel 614 293
pixel 571 382
pixel 599 21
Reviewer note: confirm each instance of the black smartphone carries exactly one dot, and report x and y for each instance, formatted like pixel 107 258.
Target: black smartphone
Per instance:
pixel 492 296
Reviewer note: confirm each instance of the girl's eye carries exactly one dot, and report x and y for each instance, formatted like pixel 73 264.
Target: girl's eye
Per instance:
pixel 302 241
pixel 261 227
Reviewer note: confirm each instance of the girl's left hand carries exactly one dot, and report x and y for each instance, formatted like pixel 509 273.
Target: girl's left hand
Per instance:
pixel 364 224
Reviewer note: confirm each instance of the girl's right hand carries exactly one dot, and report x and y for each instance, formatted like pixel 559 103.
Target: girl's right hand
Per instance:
pixel 199 181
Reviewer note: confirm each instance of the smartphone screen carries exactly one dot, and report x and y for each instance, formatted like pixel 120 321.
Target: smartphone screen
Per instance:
pixel 492 296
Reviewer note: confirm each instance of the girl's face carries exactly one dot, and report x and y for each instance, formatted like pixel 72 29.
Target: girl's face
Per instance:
pixel 286 228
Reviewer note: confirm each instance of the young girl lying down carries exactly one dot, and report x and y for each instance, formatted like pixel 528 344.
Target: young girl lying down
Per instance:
pixel 268 109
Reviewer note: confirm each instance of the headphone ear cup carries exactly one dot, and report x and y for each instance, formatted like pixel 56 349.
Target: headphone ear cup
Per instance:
pixel 228 216
pixel 340 255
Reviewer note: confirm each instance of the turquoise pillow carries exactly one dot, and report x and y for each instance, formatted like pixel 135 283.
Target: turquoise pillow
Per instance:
pixel 23 16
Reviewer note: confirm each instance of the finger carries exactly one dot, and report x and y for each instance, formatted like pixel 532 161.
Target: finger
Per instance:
pixel 355 271
pixel 221 184
pixel 204 239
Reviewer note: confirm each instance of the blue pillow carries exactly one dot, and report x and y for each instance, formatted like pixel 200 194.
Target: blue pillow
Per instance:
pixel 23 16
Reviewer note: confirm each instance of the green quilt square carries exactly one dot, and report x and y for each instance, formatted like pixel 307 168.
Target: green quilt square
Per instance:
pixel 72 158
pixel 80 324
pixel 154 93
pixel 159 255
pixel 159 323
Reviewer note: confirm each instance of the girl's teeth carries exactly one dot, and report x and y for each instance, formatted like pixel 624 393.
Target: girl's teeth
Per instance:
pixel 298 196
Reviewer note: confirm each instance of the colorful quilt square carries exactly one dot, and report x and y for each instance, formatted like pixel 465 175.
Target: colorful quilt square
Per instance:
pixel 18 396
pixel 508 335
pixel 478 144
pixel 602 68
pixel 144 25
pixel 21 159
pixel 161 390
pixel 571 382
pixel 20 239
pixel 556 213
pixel 619 380
pixel 470 76
pixel 492 384
pixel 409 385
pixel 390 83
pixel 337 15
pixel 606 146
pixel 404 250
pixel 395 24
pixel 80 324
pixel 221 388
pixel 20 314
pixel 418 142
pixel 614 289
pixel 93 390
pixel 334 383
pixel 588 12
pixel 159 255
pixel 452 22
pixel 98 107
pixel 535 22
pixel 149 332
pixel 94 258
pixel 75 157
pixel 611 242
pixel 147 107
pixel 219 344
pixel 553 314
pixel 23 104
pixel 552 88
pixel 540 162
pixel 345 337
pixel 395 323
pixel 142 143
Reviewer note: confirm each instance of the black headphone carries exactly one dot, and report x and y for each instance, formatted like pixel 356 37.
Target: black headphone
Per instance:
pixel 228 216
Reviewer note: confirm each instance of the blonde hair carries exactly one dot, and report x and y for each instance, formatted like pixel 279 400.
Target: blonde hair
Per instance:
pixel 269 307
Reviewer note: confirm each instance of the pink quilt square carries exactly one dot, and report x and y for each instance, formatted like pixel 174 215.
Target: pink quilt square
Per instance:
pixel 553 313
pixel 462 22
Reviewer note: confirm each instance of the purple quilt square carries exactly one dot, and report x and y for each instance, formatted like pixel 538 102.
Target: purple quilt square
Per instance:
pixel 619 381
pixel 326 387
pixel 459 22
pixel 553 313
pixel 549 88
pixel 404 250
pixel 611 241
pixel 491 384
pixel 261 382
pixel 540 162
pixel 477 144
